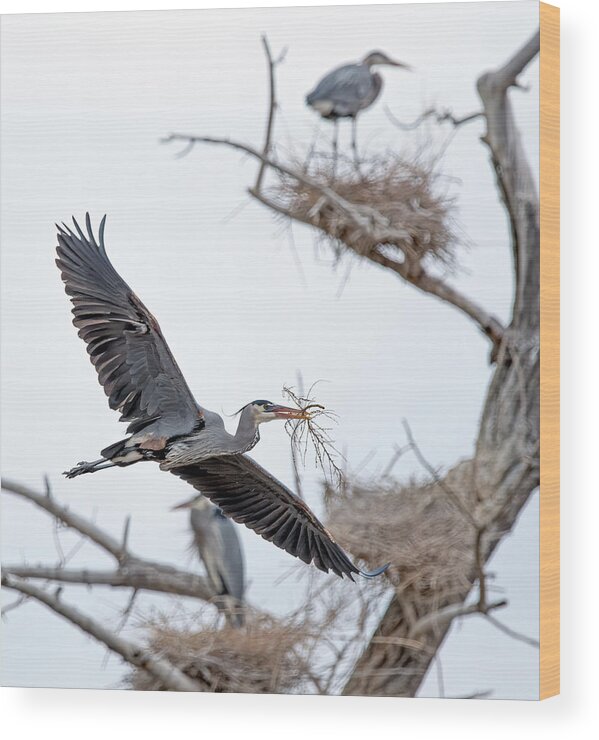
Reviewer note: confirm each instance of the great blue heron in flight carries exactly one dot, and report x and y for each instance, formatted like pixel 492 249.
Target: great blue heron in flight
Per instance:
pixel 348 90
pixel 142 380
pixel 217 544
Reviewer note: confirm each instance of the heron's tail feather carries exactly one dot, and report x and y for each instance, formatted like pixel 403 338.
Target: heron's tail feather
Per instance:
pixel 114 449
pixel 376 572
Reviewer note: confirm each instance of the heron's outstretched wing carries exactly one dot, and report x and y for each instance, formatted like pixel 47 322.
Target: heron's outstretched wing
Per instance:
pixel 134 364
pixel 250 495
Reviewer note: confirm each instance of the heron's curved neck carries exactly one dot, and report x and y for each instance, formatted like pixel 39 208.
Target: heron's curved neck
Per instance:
pixel 247 434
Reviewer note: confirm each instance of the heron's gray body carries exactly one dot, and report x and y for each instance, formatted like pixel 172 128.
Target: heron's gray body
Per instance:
pixel 207 439
pixel 144 383
pixel 218 546
pixel 346 91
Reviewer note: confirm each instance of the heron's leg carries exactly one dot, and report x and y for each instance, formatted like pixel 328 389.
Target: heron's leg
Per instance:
pixel 88 467
pixel 335 143
pixel 312 147
pixel 354 141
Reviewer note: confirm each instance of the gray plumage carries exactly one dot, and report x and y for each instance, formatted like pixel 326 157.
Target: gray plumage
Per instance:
pixel 350 89
pixel 216 542
pixel 345 91
pixel 143 381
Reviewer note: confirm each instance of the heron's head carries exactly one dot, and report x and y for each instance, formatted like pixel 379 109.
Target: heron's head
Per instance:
pixel 263 411
pixel 379 57
pixel 198 502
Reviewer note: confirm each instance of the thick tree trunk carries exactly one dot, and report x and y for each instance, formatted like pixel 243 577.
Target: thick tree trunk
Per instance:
pixel 496 483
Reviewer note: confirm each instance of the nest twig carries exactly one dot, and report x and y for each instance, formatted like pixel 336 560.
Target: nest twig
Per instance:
pixel 309 434
pixel 263 658
pixel 412 525
pixel 400 198
pixel 308 651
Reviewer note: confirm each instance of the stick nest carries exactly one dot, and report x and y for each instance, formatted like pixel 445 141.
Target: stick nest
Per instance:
pixel 391 193
pixel 413 526
pixel 265 657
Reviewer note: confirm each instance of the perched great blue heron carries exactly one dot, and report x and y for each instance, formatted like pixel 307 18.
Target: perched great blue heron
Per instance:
pixel 142 380
pixel 349 89
pixel 217 544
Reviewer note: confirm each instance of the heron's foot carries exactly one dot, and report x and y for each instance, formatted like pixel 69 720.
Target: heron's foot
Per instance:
pixel 80 469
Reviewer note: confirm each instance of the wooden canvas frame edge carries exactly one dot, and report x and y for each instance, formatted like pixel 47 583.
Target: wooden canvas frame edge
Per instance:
pixel 549 675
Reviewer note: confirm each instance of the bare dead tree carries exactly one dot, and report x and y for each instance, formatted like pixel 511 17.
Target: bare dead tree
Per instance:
pixel 471 507
pixel 497 481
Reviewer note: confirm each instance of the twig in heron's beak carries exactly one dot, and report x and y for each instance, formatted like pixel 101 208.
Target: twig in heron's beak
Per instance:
pixel 305 431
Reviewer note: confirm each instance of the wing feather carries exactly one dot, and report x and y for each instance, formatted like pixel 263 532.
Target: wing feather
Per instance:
pixel 248 494
pixel 125 344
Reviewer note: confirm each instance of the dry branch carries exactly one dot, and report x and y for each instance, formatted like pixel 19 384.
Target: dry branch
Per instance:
pixel 272 63
pixel 504 471
pixel 137 575
pixel 365 224
pixel 158 668
pixel 372 225
pixel 68 518
pixel 132 571
pixel 440 116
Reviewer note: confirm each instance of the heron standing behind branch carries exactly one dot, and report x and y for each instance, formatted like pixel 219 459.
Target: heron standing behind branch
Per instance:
pixel 348 90
pixel 219 548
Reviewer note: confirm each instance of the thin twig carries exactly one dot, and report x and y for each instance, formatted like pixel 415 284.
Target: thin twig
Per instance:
pixel 512 633
pixel 14 605
pixel 159 668
pixel 132 571
pixel 440 116
pixel 440 619
pixel 66 516
pixel 272 107
pixel 308 431
pixel 452 495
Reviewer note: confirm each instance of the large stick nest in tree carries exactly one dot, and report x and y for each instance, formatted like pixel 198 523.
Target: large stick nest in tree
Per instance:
pixel 393 194
pixel 265 657
pixel 415 527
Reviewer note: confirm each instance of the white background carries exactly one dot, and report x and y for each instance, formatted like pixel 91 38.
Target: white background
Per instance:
pixel 85 97
pixel 66 714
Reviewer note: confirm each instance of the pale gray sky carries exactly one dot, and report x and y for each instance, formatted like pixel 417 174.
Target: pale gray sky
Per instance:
pixel 85 98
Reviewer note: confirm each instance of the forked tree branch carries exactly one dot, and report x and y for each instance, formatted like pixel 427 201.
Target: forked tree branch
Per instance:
pixel 159 668
pixel 372 224
pixel 136 575
pixel 132 571
pixel 366 219
pixel 69 518
pixel 440 116
pixel 272 63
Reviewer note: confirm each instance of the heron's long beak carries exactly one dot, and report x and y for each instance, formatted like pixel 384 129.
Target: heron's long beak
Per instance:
pixel 284 412
pixel 407 67
pixel 184 504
